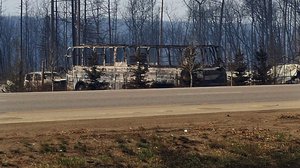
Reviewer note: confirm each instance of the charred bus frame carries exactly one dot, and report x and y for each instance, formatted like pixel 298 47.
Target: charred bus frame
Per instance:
pixel 118 60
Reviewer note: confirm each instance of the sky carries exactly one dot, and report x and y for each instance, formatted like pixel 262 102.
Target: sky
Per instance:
pixel 12 7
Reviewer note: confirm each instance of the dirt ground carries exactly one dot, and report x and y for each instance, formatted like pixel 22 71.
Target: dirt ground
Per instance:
pixel 246 139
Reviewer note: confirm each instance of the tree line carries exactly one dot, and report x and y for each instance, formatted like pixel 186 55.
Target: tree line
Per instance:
pixel 47 28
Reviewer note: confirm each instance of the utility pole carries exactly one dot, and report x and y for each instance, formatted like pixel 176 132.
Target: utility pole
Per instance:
pixel 21 49
pixel 84 36
pixel 73 23
pixel 66 25
pixel 161 23
pixel 56 32
pixel 161 31
pixel 221 22
pixel 220 30
pixel 78 23
pixel 109 22
pixel 52 39
pixel 74 34
pixel 152 21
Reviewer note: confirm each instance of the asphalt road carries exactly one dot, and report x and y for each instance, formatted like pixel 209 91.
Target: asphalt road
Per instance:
pixel 174 99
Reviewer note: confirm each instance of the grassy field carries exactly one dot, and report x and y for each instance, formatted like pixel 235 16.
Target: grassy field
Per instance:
pixel 213 141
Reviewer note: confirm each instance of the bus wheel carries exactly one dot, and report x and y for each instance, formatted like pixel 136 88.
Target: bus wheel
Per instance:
pixel 80 87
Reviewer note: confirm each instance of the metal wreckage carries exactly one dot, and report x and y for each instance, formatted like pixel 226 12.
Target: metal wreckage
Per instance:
pixel 94 67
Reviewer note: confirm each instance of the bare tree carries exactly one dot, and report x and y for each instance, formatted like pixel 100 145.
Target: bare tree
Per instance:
pixel 189 62
pixel 2 59
pixel 21 49
pixel 115 14
pixel 136 16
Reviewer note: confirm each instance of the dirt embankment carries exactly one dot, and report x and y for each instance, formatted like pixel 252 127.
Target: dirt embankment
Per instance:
pixel 257 139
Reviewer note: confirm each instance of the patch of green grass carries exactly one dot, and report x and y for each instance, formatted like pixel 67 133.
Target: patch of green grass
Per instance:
pixel 184 139
pixel 205 136
pixel 216 145
pixel 120 140
pixel 54 148
pixel 246 150
pixel 281 137
pixel 143 143
pixel 145 154
pixel 30 146
pixel 72 162
pixel 286 158
pixel 122 144
pixel 146 151
pixel 48 148
pixel 16 151
pixel 105 158
pixel 63 148
pixel 7 164
pixel 126 150
pixel 82 148
pixel 179 159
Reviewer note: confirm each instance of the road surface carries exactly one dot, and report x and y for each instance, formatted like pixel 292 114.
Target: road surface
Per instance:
pixel 33 107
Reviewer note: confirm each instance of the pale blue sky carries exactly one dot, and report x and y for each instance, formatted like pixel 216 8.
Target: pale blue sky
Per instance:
pixel 12 7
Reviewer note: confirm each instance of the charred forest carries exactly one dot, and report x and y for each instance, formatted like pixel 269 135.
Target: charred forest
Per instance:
pixel 42 32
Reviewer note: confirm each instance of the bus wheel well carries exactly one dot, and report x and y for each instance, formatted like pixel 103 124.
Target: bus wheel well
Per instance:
pixel 80 86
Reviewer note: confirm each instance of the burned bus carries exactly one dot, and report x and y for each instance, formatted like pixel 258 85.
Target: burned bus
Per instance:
pixel 118 66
